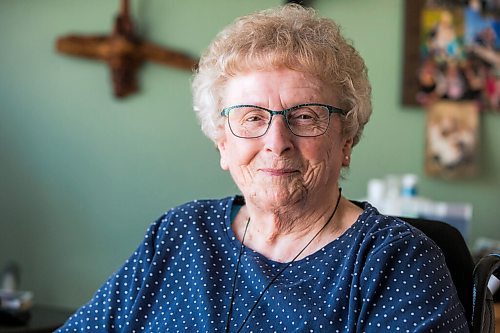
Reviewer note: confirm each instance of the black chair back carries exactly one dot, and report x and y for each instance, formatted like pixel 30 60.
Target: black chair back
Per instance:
pixel 457 256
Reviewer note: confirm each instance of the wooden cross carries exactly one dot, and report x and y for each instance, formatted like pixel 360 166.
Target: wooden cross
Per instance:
pixel 123 51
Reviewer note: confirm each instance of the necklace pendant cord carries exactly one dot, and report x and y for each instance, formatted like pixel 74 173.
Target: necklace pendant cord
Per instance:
pixel 230 312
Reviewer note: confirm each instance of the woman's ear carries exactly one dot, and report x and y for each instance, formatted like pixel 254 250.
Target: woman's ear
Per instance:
pixel 221 147
pixel 346 151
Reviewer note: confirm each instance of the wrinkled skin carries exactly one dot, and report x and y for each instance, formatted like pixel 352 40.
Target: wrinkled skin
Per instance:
pixel 284 178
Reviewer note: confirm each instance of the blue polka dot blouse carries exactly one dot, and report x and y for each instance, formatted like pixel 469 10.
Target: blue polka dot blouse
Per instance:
pixel 381 275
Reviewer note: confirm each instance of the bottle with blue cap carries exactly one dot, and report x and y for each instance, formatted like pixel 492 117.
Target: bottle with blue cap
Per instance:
pixel 409 196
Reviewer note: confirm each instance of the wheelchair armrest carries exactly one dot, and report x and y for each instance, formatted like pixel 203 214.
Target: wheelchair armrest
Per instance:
pixel 482 310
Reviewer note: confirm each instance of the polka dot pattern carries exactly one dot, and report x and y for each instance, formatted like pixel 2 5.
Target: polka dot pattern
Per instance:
pixel 380 275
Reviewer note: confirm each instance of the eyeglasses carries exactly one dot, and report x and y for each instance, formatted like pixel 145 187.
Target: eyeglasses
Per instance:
pixel 305 120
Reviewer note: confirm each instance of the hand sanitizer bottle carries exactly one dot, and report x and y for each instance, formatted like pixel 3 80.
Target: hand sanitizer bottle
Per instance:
pixel 409 200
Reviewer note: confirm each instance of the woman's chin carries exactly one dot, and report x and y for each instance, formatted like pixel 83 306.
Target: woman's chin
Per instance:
pixel 274 198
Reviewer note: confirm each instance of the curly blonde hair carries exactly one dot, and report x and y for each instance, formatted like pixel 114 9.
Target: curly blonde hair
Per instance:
pixel 291 37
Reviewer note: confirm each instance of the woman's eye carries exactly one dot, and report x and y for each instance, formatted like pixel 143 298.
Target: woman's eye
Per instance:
pixel 252 118
pixel 304 116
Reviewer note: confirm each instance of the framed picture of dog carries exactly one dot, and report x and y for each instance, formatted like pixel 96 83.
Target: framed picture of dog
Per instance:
pixel 452 140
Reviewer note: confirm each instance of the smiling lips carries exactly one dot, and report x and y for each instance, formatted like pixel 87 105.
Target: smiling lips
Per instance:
pixel 279 172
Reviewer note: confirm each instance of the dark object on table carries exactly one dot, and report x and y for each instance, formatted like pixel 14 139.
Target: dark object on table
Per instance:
pixel 42 319
pixel 14 305
pixel 14 318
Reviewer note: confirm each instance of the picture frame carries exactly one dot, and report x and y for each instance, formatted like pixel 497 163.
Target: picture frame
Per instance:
pixel 451 52
pixel 452 140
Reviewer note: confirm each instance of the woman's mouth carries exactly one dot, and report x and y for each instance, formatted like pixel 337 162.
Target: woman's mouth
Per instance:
pixel 278 172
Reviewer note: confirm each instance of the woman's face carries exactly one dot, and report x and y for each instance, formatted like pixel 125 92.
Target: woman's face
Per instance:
pixel 281 168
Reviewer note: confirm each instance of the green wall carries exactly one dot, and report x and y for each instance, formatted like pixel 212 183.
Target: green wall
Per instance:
pixel 82 175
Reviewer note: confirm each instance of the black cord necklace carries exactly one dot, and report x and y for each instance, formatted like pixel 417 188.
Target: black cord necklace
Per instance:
pixel 230 312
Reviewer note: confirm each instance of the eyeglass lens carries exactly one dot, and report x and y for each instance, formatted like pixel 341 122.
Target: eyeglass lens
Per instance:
pixel 251 122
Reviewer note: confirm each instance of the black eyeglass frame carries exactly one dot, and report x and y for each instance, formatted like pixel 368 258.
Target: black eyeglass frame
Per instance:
pixel 284 113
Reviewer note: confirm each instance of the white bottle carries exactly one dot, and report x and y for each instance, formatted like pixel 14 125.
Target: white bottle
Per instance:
pixel 409 201
pixel 392 204
pixel 376 192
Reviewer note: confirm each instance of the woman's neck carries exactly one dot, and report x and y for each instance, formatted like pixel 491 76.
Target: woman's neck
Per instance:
pixel 280 234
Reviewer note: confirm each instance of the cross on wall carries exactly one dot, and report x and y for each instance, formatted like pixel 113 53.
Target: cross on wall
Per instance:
pixel 124 52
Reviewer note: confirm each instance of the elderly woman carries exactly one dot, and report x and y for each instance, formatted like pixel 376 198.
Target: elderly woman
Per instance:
pixel 285 98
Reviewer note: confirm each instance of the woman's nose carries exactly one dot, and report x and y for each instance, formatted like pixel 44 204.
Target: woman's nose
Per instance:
pixel 278 138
